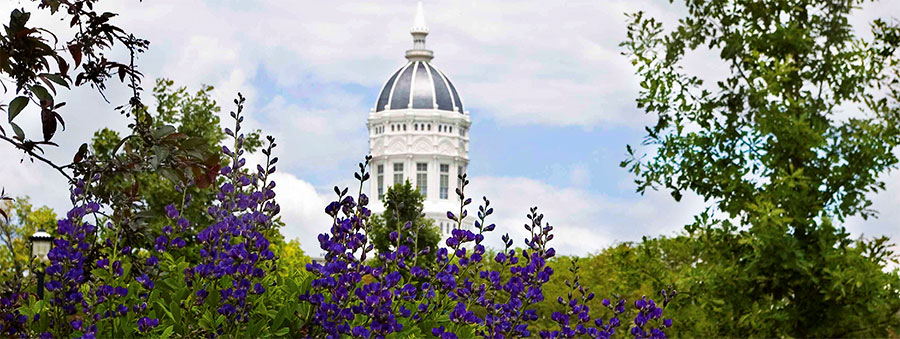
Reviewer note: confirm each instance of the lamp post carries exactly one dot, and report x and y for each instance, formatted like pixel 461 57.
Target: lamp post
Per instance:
pixel 40 247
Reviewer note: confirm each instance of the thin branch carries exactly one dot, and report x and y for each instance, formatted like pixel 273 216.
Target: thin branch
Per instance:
pixel 34 155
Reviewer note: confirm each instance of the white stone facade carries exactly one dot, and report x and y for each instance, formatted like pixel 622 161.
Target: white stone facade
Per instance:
pixel 402 142
pixel 427 142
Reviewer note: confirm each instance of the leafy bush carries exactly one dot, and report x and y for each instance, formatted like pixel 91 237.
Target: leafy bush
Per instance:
pixel 235 284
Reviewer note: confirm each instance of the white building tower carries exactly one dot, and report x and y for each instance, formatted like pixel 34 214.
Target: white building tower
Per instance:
pixel 418 131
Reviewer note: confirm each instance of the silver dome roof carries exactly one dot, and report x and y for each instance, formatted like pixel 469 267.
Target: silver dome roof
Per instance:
pixel 419 85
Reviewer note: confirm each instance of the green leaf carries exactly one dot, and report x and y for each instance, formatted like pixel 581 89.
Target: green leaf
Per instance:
pixel 165 309
pixel 19 133
pixel 126 268
pixel 167 332
pixel 56 78
pixel 16 106
pixel 176 311
pixel 282 314
pixel 41 93
pixel 220 320
pixel 207 322
pixel 100 273
pixel 163 131
pixel 282 332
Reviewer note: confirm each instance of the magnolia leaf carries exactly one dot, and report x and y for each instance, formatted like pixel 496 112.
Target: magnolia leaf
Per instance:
pixel 56 78
pixel 16 106
pixel 41 93
pixel 19 133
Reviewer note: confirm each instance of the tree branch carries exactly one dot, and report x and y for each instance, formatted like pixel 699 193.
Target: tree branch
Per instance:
pixel 30 152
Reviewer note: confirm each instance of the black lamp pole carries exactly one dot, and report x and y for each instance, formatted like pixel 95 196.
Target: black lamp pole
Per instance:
pixel 40 247
pixel 40 278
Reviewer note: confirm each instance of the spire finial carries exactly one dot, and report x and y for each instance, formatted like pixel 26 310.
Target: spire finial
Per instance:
pixel 419 31
pixel 419 22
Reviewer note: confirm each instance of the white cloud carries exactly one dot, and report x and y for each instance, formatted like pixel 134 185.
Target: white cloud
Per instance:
pixel 535 62
pixel 302 210
pixel 583 221
pixel 580 175
pixel 313 138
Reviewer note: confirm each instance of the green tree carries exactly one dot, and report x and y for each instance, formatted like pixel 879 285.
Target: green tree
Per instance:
pixel 778 148
pixel 403 204
pixel 15 249
pixel 194 115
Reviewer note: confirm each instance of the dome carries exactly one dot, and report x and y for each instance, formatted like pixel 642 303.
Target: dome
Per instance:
pixel 419 85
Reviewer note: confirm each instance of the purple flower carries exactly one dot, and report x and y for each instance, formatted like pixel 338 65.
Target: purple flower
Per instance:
pixel 145 281
pixel 161 243
pixel 171 212
pixel 117 268
pixel 393 236
pixel 342 304
pixel 145 324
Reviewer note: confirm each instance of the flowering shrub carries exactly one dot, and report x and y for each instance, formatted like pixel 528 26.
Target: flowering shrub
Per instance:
pixel 459 297
pixel 12 322
pixel 575 322
pixel 234 251
pixel 216 280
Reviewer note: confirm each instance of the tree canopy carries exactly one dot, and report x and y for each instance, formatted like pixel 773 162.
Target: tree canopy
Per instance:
pixel 403 204
pixel 798 134
pixel 23 220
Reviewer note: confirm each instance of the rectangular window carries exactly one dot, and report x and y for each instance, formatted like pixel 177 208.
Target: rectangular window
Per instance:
pixel 398 173
pixel 422 178
pixel 380 181
pixel 445 180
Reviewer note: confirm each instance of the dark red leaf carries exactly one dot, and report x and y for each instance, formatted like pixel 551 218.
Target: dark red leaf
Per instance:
pixel 82 152
pixel 200 177
pixel 48 83
pixel 75 50
pixel 48 123
pixel 60 119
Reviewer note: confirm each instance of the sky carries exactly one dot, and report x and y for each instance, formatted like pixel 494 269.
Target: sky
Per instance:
pixel 550 96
